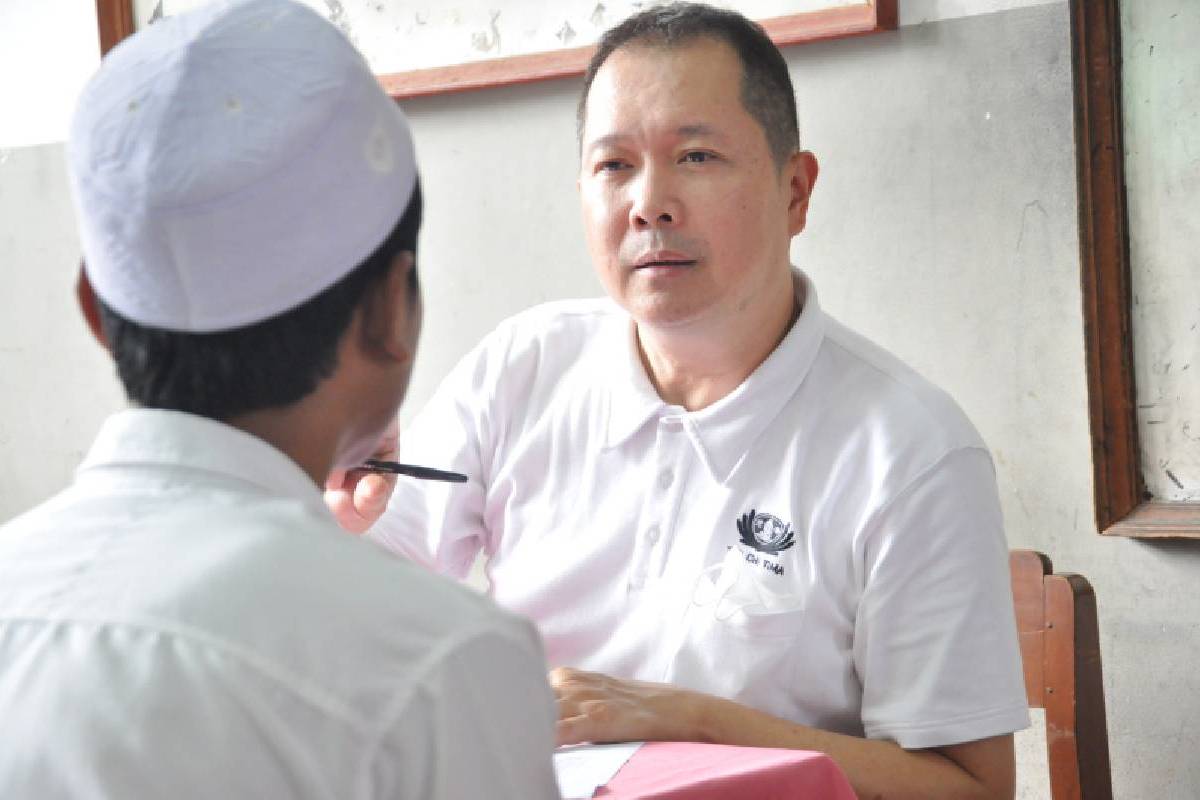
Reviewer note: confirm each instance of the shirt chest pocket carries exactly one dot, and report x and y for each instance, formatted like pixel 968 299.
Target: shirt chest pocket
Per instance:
pixel 747 595
pixel 743 635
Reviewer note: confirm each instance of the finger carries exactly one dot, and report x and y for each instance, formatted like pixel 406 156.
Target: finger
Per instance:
pixel 341 504
pixel 560 676
pixel 572 730
pixel 594 722
pixel 569 676
pixel 336 479
pixel 371 494
pixel 567 708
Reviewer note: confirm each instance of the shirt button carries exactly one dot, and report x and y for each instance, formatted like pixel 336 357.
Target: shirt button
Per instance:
pixel 652 534
pixel 665 477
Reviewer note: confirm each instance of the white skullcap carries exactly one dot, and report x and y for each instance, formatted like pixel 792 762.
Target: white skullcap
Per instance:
pixel 231 163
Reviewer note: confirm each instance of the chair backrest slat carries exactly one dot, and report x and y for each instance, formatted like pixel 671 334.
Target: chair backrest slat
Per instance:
pixel 1060 651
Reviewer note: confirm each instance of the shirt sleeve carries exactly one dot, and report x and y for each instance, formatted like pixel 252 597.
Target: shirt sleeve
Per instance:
pixel 935 637
pixel 480 724
pixel 441 525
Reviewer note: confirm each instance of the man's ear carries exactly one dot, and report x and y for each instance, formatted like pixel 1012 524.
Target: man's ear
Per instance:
pixel 89 306
pixel 801 172
pixel 391 312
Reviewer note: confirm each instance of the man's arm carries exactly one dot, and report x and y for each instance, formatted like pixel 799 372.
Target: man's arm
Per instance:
pixel 598 708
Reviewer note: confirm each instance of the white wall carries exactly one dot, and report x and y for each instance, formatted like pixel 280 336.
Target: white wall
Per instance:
pixel 48 48
pixel 55 383
pixel 1161 79
pixel 943 225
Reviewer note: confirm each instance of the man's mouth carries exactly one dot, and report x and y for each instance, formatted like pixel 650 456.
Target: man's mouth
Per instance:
pixel 663 259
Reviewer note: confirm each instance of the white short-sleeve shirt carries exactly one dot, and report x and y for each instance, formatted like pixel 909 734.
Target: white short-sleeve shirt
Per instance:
pixel 825 543
pixel 187 620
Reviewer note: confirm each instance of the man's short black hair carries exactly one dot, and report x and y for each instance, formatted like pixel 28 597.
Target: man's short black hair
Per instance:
pixel 767 92
pixel 269 364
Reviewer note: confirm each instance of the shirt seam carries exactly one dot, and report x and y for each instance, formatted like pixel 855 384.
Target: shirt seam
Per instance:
pixel 976 716
pixel 931 414
pixel 377 744
pixel 302 690
pixel 921 477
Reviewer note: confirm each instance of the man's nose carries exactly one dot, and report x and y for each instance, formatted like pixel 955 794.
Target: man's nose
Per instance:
pixel 655 204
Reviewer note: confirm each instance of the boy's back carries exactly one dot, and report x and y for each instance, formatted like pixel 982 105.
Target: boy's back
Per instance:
pixel 187 620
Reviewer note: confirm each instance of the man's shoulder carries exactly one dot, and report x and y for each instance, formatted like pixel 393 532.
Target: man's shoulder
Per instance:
pixel 558 323
pixel 369 585
pixel 271 588
pixel 323 632
pixel 884 391
pixel 530 352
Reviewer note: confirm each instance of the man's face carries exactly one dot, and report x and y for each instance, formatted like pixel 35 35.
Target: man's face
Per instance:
pixel 688 219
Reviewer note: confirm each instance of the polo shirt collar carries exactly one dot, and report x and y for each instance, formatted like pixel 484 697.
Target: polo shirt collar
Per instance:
pixel 632 398
pixel 724 432
pixel 173 440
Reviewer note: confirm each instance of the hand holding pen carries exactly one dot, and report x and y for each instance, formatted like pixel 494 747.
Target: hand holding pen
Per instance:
pixel 357 497
pixel 412 471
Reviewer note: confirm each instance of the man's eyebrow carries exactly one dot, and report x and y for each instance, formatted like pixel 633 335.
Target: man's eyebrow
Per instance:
pixel 698 129
pixel 607 140
pixel 695 130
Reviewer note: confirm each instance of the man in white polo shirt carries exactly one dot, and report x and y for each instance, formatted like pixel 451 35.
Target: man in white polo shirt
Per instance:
pixel 747 524
pixel 187 619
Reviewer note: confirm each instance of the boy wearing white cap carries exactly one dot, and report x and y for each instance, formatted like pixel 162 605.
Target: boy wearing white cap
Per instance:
pixel 180 620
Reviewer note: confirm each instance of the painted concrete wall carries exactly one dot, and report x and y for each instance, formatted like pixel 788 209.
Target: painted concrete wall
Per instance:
pixel 943 225
pixel 48 48
pixel 1161 81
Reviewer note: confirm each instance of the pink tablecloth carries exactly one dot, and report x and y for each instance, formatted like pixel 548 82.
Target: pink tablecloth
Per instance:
pixel 691 771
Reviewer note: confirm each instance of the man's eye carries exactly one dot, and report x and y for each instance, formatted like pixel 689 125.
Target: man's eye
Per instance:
pixel 697 157
pixel 610 165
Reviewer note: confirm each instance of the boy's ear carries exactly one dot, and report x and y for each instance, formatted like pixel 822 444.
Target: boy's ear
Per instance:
pixel 388 312
pixel 89 306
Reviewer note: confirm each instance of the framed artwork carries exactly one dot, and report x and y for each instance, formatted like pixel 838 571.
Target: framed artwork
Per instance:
pixel 475 44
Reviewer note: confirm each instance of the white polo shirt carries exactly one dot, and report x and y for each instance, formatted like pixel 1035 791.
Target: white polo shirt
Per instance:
pixel 824 544
pixel 187 620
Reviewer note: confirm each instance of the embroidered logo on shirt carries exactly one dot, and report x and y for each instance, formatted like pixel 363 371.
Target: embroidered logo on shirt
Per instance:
pixel 766 533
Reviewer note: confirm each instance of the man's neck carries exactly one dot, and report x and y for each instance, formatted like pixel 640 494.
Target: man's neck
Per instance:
pixel 297 433
pixel 696 368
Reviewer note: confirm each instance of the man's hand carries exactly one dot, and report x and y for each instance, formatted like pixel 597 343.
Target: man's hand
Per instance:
pixel 357 498
pixel 599 708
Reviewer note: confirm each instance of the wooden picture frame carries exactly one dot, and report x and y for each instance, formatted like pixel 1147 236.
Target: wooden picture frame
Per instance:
pixel 1123 506
pixel 116 21
pixel 869 16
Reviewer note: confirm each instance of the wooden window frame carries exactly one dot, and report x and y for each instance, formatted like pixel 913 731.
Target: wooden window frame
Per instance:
pixel 1123 506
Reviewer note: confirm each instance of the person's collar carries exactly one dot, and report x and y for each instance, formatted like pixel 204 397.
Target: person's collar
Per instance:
pixel 146 437
pixel 632 399
pixel 725 431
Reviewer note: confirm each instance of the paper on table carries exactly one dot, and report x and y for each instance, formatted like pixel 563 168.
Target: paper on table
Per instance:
pixel 583 768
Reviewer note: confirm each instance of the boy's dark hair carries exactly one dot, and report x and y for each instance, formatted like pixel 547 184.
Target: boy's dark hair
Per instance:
pixel 767 93
pixel 269 364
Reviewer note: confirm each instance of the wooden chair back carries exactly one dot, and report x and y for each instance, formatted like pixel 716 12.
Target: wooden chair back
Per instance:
pixel 1060 649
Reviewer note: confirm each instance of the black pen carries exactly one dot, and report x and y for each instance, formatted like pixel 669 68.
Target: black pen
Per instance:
pixel 413 471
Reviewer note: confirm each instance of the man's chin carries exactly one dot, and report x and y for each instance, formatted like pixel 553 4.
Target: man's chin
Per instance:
pixel 665 313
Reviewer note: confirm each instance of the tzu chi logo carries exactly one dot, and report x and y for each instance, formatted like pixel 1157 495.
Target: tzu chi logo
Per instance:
pixel 766 533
